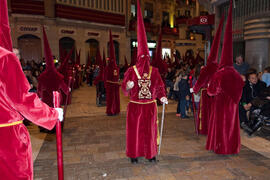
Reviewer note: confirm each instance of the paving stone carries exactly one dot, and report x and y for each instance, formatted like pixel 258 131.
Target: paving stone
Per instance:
pixel 94 148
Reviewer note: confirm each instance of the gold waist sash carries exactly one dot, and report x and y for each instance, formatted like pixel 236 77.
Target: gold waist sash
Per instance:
pixel 11 124
pixel 148 102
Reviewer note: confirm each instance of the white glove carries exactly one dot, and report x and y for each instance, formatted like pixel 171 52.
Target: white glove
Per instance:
pixel 191 90
pixel 69 89
pixel 130 85
pixel 60 114
pixel 164 100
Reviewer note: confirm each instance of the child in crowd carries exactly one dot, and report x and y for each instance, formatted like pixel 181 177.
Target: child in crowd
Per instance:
pixel 266 76
pixel 183 96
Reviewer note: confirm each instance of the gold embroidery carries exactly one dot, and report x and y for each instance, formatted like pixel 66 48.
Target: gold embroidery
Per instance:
pixel 144 84
pixel 144 92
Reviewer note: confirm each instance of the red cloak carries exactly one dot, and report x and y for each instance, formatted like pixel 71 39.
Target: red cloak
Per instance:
pixel 112 83
pixel 141 125
pixel 205 75
pixel 224 129
pixel 16 103
pixel 50 80
pixel 226 86
pixel 112 91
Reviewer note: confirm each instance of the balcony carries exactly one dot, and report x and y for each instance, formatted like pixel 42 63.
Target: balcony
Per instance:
pixel 149 27
pixel 90 15
pixel 27 7
pixel 200 20
pixel 170 31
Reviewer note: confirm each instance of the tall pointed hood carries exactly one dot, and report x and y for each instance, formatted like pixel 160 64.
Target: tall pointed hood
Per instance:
pixel 227 49
pixel 78 57
pixel 99 61
pixel 64 62
pixel 5 37
pixel 213 56
pixel 112 62
pixel 88 60
pixel 104 59
pixel 143 61
pixel 158 62
pixel 47 53
pixel 159 47
pixel 212 66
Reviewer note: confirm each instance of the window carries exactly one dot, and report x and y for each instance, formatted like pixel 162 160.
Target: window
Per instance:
pixel 148 10
pixel 133 10
pixel 122 4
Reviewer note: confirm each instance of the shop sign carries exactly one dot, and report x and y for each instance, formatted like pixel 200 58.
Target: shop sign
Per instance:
pixel 203 20
pixel 92 34
pixel 67 31
pixel 28 29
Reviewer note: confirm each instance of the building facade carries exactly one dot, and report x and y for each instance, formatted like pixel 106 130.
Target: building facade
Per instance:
pixel 251 35
pixel 85 24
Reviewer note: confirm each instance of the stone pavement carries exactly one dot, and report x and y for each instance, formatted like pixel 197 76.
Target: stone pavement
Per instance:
pixel 94 148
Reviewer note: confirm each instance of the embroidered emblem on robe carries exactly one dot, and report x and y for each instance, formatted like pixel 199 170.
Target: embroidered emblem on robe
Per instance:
pixel 144 92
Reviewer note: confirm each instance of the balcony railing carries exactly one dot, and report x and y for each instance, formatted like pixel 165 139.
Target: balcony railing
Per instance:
pixel 113 6
pixel 170 31
pixel 27 7
pixel 200 20
pixel 77 13
pixel 149 27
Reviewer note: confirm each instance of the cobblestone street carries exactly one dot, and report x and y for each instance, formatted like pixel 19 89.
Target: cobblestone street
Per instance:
pixel 94 148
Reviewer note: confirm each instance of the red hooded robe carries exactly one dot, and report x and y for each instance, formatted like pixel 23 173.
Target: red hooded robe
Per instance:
pixel 226 87
pixel 16 103
pixel 205 75
pixel 112 83
pixel 50 80
pixel 142 122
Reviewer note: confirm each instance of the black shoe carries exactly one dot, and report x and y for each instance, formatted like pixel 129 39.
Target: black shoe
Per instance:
pixel 153 160
pixel 134 160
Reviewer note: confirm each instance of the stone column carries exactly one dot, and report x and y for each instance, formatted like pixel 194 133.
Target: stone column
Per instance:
pixel 49 6
pixel 257 53
pixel 197 8
pixel 257 37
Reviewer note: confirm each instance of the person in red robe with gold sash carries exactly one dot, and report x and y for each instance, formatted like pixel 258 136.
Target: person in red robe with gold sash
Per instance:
pixel 112 83
pixel 206 73
pixel 143 84
pixel 226 87
pixel 17 103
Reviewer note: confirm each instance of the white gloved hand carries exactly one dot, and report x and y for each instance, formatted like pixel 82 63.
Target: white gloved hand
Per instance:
pixel 164 100
pixel 60 114
pixel 69 89
pixel 130 85
pixel 191 90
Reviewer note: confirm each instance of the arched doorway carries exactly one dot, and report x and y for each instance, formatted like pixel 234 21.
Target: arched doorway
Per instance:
pixel 116 49
pixel 67 43
pixel 30 47
pixel 91 49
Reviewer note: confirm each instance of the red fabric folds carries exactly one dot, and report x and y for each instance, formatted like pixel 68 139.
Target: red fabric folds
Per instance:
pixel 112 83
pixel 50 80
pixel 142 118
pixel 5 37
pixel 16 103
pixel 224 128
